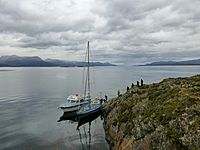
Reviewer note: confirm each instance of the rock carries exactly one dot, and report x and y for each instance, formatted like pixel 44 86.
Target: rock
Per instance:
pixel 162 115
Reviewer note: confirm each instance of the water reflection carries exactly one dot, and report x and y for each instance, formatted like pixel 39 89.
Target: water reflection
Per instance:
pixel 89 118
pixel 87 140
pixel 83 126
pixel 69 116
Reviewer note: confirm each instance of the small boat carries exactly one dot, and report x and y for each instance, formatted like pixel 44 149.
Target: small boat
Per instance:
pixel 73 103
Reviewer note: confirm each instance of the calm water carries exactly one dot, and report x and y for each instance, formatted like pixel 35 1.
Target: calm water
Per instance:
pixel 29 98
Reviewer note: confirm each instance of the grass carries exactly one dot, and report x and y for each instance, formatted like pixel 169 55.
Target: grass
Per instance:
pixel 158 104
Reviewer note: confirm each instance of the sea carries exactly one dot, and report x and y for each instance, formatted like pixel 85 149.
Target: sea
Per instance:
pixel 30 97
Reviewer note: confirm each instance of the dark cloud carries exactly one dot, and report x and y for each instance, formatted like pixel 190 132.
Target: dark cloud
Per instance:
pixel 120 31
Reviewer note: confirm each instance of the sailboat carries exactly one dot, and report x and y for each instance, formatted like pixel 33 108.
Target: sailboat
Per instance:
pixel 75 101
pixel 94 105
pixel 82 106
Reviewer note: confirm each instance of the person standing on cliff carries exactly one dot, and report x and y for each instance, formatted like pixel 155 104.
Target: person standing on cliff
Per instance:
pixel 118 92
pixel 142 82
pixel 106 98
pixel 138 83
pixel 132 85
pixel 127 89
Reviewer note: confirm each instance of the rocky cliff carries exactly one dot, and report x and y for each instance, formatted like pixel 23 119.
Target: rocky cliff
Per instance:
pixel 163 115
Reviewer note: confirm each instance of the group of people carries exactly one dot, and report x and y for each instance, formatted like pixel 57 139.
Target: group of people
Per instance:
pixel 118 92
pixel 138 83
pixel 103 100
pixel 132 85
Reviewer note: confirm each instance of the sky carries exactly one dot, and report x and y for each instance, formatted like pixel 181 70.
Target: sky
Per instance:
pixel 126 32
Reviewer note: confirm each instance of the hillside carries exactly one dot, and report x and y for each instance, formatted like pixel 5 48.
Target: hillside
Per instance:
pixel 165 63
pixel 162 115
pixel 35 61
pixel 17 61
pixel 63 63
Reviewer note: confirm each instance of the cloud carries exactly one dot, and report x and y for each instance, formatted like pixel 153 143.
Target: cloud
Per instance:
pixel 120 31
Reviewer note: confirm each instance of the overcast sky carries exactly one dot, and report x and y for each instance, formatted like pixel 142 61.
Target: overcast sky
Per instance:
pixel 120 31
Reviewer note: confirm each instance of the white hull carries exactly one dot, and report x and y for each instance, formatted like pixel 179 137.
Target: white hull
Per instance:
pixel 71 109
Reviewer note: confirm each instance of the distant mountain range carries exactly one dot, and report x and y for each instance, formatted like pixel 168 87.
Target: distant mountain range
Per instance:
pixel 35 61
pixel 166 63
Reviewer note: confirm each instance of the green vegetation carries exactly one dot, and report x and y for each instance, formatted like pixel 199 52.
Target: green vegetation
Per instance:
pixel 173 104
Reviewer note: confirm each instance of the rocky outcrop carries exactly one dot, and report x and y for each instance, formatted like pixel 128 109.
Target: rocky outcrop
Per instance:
pixel 163 115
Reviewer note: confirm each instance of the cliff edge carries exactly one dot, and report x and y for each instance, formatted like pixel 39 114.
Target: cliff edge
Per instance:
pixel 163 115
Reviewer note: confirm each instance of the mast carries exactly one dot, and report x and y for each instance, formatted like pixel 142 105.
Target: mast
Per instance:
pixel 87 78
pixel 88 70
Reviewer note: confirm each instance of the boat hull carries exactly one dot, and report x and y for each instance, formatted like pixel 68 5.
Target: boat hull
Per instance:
pixel 89 112
pixel 70 109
